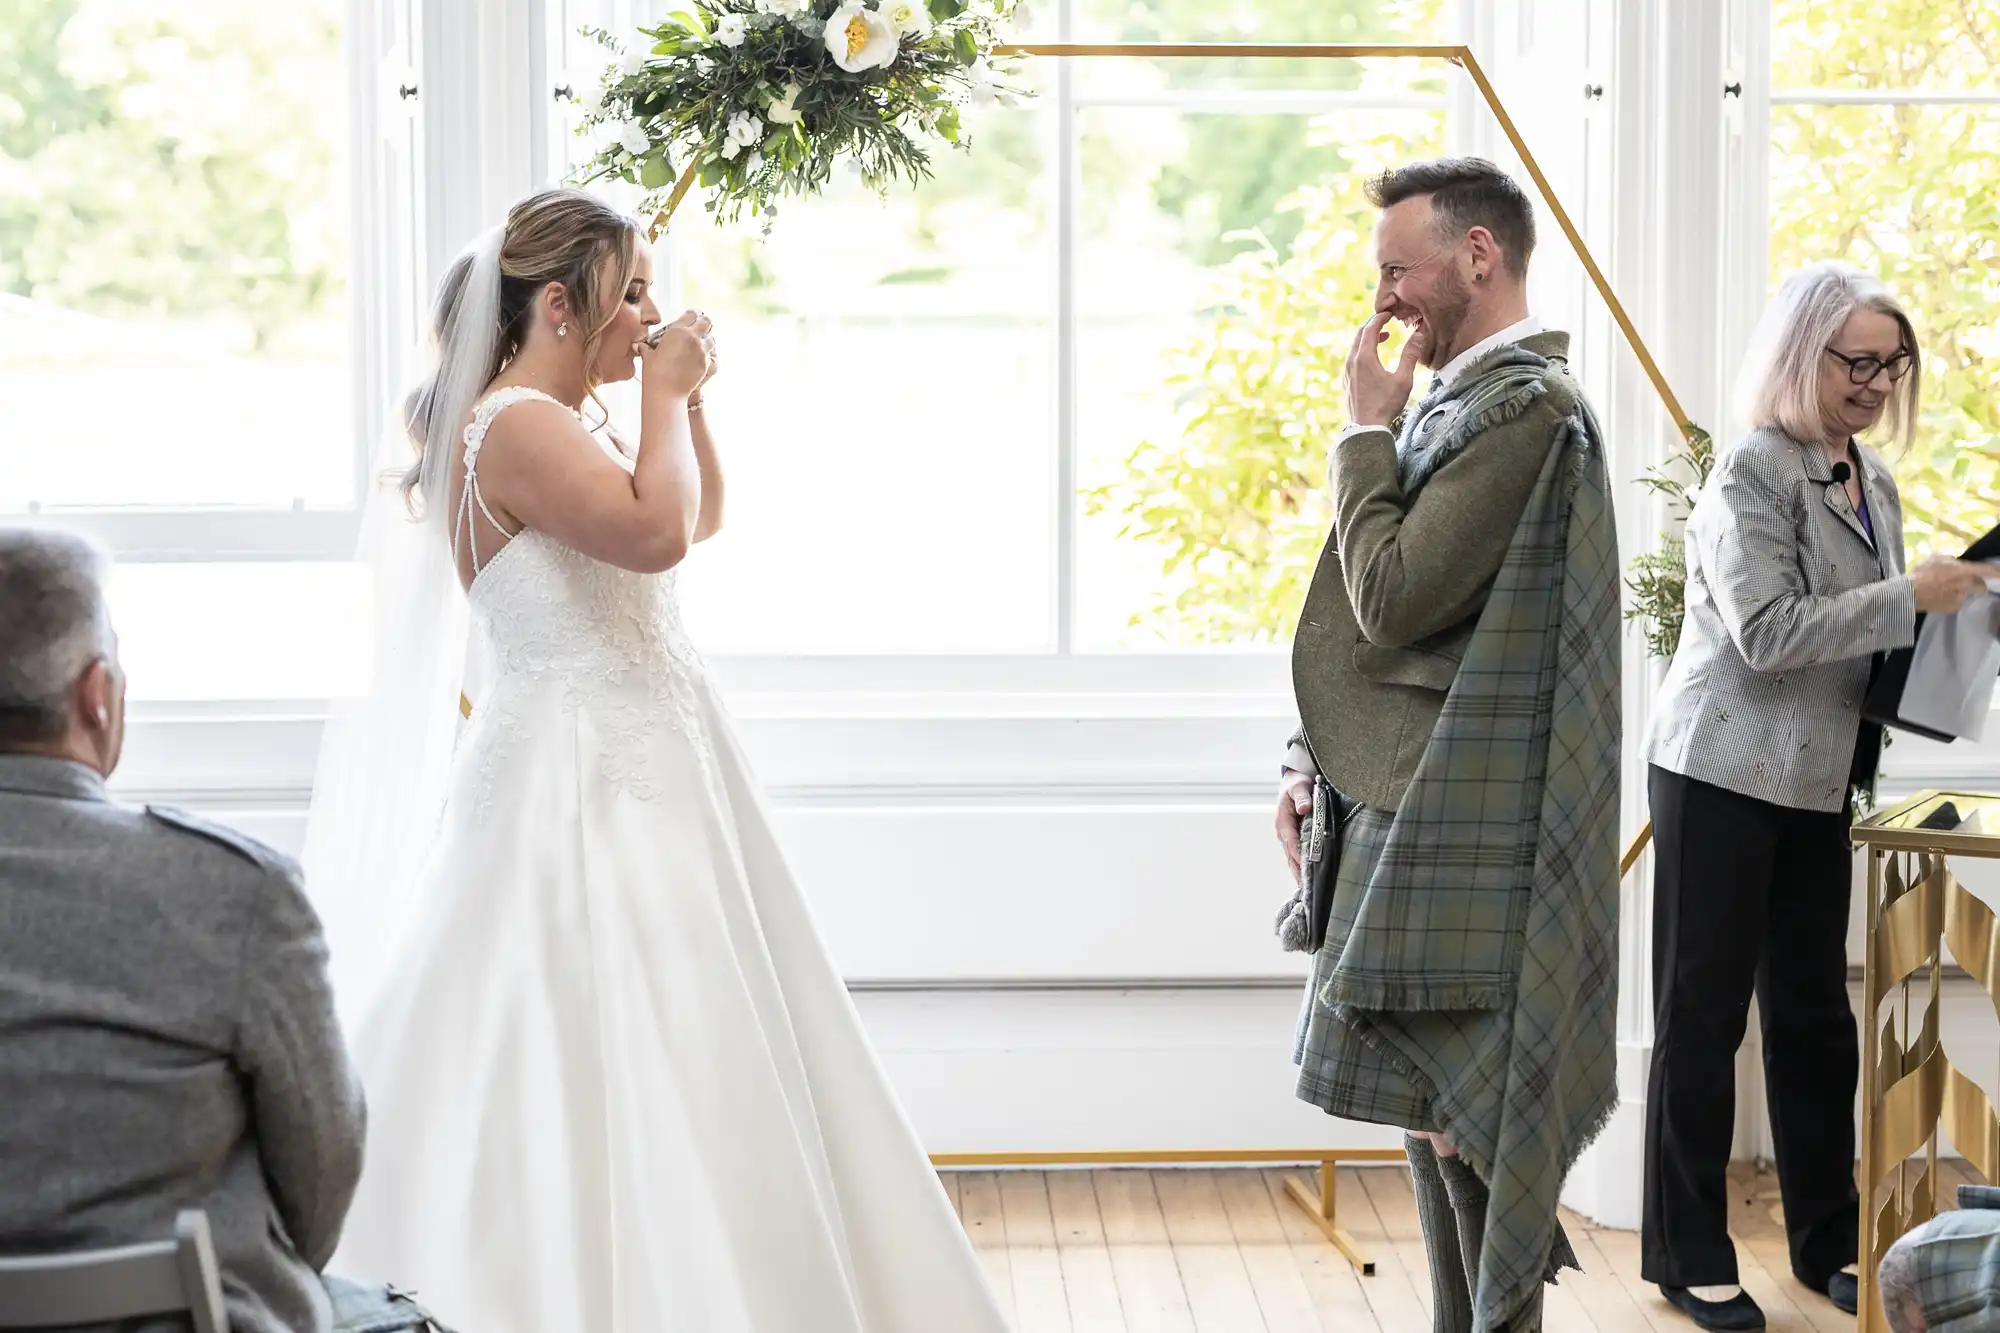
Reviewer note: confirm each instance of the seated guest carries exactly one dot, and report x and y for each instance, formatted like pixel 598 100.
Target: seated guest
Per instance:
pixel 1944 1276
pixel 167 1032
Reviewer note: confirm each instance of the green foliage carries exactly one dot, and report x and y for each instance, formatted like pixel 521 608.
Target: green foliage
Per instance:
pixel 174 159
pixel 1237 500
pixel 1658 581
pixel 1907 193
pixel 745 94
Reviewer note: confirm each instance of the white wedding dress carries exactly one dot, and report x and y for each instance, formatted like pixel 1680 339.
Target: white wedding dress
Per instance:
pixel 617 1085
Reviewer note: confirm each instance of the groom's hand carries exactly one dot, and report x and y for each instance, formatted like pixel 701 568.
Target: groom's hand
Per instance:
pixel 1376 393
pixel 1295 801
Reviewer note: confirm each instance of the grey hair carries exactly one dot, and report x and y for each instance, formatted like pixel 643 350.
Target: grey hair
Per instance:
pixel 56 623
pixel 1779 389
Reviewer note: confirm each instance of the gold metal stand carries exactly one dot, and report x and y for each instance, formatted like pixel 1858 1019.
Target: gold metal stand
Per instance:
pixel 1319 1206
pixel 1909 1089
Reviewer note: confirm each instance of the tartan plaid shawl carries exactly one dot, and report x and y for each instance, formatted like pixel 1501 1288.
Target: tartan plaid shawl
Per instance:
pixel 1483 955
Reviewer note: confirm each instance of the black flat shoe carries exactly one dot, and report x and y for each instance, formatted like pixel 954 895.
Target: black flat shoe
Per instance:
pixel 1844 1290
pixel 1737 1313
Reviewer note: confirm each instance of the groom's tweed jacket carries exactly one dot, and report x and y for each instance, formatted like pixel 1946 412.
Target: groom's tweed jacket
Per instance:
pixel 1399 588
pixel 167 1041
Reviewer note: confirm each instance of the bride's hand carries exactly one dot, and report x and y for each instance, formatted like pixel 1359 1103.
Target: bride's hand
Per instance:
pixel 678 363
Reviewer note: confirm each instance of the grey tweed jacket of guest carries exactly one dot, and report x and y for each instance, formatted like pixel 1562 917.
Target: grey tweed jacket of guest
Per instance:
pixel 1788 600
pixel 167 1041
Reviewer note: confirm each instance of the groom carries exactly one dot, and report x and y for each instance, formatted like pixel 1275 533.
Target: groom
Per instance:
pixel 1456 677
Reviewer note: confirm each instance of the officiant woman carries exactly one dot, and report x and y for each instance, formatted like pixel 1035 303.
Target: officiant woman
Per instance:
pixel 1795 585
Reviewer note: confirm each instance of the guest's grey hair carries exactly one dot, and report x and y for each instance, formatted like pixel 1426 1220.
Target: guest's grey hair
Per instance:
pixel 1781 375
pixel 53 624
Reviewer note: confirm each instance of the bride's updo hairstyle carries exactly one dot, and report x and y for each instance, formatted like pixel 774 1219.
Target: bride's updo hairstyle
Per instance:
pixel 563 236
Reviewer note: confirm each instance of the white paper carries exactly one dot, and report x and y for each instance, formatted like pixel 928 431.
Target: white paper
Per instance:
pixel 1953 670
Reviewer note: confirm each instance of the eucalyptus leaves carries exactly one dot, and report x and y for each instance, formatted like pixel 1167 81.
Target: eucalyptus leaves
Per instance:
pixel 756 100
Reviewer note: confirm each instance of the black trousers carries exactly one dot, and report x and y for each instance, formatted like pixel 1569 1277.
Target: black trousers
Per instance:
pixel 1748 896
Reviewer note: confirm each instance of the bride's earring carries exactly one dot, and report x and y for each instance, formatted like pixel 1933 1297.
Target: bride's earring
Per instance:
pixel 562 329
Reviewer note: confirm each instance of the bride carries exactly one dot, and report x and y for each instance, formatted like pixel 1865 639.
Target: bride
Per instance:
pixel 615 1082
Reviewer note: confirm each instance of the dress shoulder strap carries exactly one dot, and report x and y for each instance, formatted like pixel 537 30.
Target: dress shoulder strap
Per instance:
pixel 489 407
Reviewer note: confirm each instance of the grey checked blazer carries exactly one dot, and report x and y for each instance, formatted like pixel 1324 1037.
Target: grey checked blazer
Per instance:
pixel 1787 601
pixel 167 1041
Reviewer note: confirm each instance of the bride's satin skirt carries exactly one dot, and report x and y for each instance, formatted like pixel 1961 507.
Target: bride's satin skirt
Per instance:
pixel 617 1084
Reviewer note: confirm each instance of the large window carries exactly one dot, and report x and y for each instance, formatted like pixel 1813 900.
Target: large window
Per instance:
pixel 174 321
pixel 1885 150
pixel 1068 398
pixel 1073 394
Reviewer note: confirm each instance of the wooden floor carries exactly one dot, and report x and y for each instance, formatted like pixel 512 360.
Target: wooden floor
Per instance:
pixel 1227 1252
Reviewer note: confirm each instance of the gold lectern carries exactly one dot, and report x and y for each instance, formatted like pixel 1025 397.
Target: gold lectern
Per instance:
pixel 1909 1089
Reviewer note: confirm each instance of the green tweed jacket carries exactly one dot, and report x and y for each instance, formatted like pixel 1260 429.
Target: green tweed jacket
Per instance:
pixel 1401 581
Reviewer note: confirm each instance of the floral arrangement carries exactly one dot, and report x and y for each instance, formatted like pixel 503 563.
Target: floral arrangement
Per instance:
pixel 755 100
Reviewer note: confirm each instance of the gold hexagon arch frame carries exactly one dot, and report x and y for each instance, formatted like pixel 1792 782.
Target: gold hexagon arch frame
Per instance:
pixel 1319 1205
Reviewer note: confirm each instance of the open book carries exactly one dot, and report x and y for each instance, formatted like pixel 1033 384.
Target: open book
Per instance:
pixel 1943 686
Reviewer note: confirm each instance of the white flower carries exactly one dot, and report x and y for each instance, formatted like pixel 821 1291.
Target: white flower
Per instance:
pixel 859 38
pixel 731 29
pixel 784 9
pixel 634 140
pixel 632 62
pixel 754 165
pixel 908 18
pixel 981 79
pixel 785 111
pixel 745 129
pixel 1023 16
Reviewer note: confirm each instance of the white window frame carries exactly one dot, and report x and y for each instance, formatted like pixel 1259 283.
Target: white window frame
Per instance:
pixel 380 58
pixel 486 111
pixel 1188 681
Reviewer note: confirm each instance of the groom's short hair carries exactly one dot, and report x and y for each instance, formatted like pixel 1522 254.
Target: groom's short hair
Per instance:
pixel 1466 192
pixel 52 604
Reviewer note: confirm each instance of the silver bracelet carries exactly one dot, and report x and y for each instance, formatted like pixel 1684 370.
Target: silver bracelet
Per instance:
pixel 694 407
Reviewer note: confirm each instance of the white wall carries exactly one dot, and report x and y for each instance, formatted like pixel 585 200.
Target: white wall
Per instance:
pixel 1059 921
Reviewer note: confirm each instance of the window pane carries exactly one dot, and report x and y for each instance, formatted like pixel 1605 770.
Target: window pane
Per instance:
pixel 1226 263
pixel 1907 193
pixel 885 411
pixel 173 295
pixel 1337 21
pixel 1861 44
pixel 242 631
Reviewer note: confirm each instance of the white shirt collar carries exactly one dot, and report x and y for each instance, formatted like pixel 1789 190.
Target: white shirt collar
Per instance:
pixel 1513 333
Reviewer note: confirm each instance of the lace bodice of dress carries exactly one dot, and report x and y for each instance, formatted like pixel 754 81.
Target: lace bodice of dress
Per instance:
pixel 609 639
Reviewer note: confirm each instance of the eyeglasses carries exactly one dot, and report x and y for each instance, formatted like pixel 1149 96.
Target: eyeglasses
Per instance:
pixel 1864 369
pixel 1395 273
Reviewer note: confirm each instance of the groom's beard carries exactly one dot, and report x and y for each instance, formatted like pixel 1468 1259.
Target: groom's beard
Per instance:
pixel 1451 301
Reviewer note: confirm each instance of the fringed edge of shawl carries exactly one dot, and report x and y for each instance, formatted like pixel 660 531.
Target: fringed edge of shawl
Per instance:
pixel 1499 405
pixel 1412 995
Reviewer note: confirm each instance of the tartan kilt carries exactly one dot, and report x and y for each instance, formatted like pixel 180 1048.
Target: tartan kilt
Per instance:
pixel 1340 1071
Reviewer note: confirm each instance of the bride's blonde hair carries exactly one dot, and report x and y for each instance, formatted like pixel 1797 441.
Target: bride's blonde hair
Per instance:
pixel 563 236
